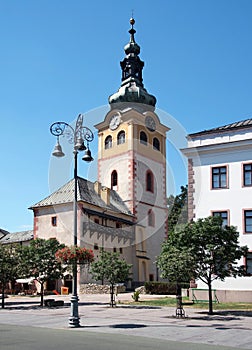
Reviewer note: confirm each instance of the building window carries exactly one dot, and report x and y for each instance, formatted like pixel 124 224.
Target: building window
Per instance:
pixel 149 181
pixel 96 247
pixel 151 218
pixel 114 179
pixel 118 225
pixel 247 174
pixel 54 220
pixel 120 250
pixel 121 137
pixel 108 142
pixel 114 249
pixel 248 221
pixel 223 215
pixel 156 144
pixel 97 221
pixel 248 263
pixel 219 177
pixel 143 138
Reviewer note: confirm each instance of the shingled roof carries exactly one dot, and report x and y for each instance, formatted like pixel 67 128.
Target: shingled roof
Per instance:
pixel 85 193
pixel 17 237
pixel 236 125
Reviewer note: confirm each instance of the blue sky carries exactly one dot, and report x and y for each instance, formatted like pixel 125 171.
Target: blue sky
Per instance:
pixel 61 58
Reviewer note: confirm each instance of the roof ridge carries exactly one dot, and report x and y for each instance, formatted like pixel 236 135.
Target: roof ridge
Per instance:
pixel 238 124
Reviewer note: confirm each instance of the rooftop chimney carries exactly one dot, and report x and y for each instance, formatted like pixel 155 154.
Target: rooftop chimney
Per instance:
pixel 105 195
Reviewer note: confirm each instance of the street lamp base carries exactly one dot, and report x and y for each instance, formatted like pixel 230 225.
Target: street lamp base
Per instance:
pixel 74 319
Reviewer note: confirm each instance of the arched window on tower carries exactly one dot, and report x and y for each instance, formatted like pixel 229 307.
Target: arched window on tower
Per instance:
pixel 114 180
pixel 151 218
pixel 149 181
pixel 156 144
pixel 108 142
pixel 121 137
pixel 143 138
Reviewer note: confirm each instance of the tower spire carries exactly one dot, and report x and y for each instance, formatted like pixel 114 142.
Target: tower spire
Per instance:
pixel 132 88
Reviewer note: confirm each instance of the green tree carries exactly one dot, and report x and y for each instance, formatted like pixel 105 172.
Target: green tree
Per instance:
pixel 39 261
pixel 111 268
pixel 9 266
pixel 176 264
pixel 177 209
pixel 214 248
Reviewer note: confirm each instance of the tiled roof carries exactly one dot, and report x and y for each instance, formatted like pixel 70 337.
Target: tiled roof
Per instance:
pixel 86 193
pixel 16 237
pixel 237 125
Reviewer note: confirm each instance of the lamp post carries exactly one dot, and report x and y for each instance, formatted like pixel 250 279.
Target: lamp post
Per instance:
pixel 76 136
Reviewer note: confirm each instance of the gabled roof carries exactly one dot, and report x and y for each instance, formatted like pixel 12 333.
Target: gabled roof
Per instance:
pixel 85 193
pixel 17 237
pixel 3 232
pixel 236 125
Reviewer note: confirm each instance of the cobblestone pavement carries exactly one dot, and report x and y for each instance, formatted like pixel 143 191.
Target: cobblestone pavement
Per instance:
pixel 231 330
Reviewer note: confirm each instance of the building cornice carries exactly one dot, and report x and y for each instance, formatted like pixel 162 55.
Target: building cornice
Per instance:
pixel 218 148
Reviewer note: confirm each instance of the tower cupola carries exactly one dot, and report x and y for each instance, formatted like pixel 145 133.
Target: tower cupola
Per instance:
pixel 132 89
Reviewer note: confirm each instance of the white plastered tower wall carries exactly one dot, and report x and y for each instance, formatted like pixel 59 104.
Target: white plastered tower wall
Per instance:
pixel 230 147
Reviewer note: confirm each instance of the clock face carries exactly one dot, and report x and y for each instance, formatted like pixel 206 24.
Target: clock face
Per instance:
pixel 150 123
pixel 114 121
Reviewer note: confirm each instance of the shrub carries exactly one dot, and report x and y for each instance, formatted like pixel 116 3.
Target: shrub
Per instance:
pixel 136 295
pixel 161 288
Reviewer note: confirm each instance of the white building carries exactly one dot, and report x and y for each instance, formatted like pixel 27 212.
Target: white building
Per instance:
pixel 220 183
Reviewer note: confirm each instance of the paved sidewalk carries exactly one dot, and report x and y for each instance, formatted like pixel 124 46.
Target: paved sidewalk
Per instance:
pixel 229 330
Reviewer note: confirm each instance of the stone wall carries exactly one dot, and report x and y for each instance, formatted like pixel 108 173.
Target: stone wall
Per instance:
pixel 92 288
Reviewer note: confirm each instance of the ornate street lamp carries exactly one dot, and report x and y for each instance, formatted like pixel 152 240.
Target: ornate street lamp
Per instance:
pixel 78 137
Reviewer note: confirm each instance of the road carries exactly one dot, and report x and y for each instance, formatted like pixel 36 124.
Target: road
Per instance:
pixel 24 326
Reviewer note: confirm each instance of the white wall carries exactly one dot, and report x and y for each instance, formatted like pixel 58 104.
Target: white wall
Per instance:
pixel 232 150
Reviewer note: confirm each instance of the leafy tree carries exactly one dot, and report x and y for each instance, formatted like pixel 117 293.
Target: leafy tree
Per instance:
pixel 9 265
pixel 176 264
pixel 111 268
pixel 39 261
pixel 177 209
pixel 214 248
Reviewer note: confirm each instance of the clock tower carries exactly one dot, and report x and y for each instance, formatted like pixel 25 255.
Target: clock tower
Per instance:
pixel 132 159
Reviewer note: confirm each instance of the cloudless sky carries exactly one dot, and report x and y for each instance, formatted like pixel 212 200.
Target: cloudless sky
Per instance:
pixel 60 58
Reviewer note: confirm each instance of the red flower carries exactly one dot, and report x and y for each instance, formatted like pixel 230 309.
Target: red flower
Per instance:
pixel 75 255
